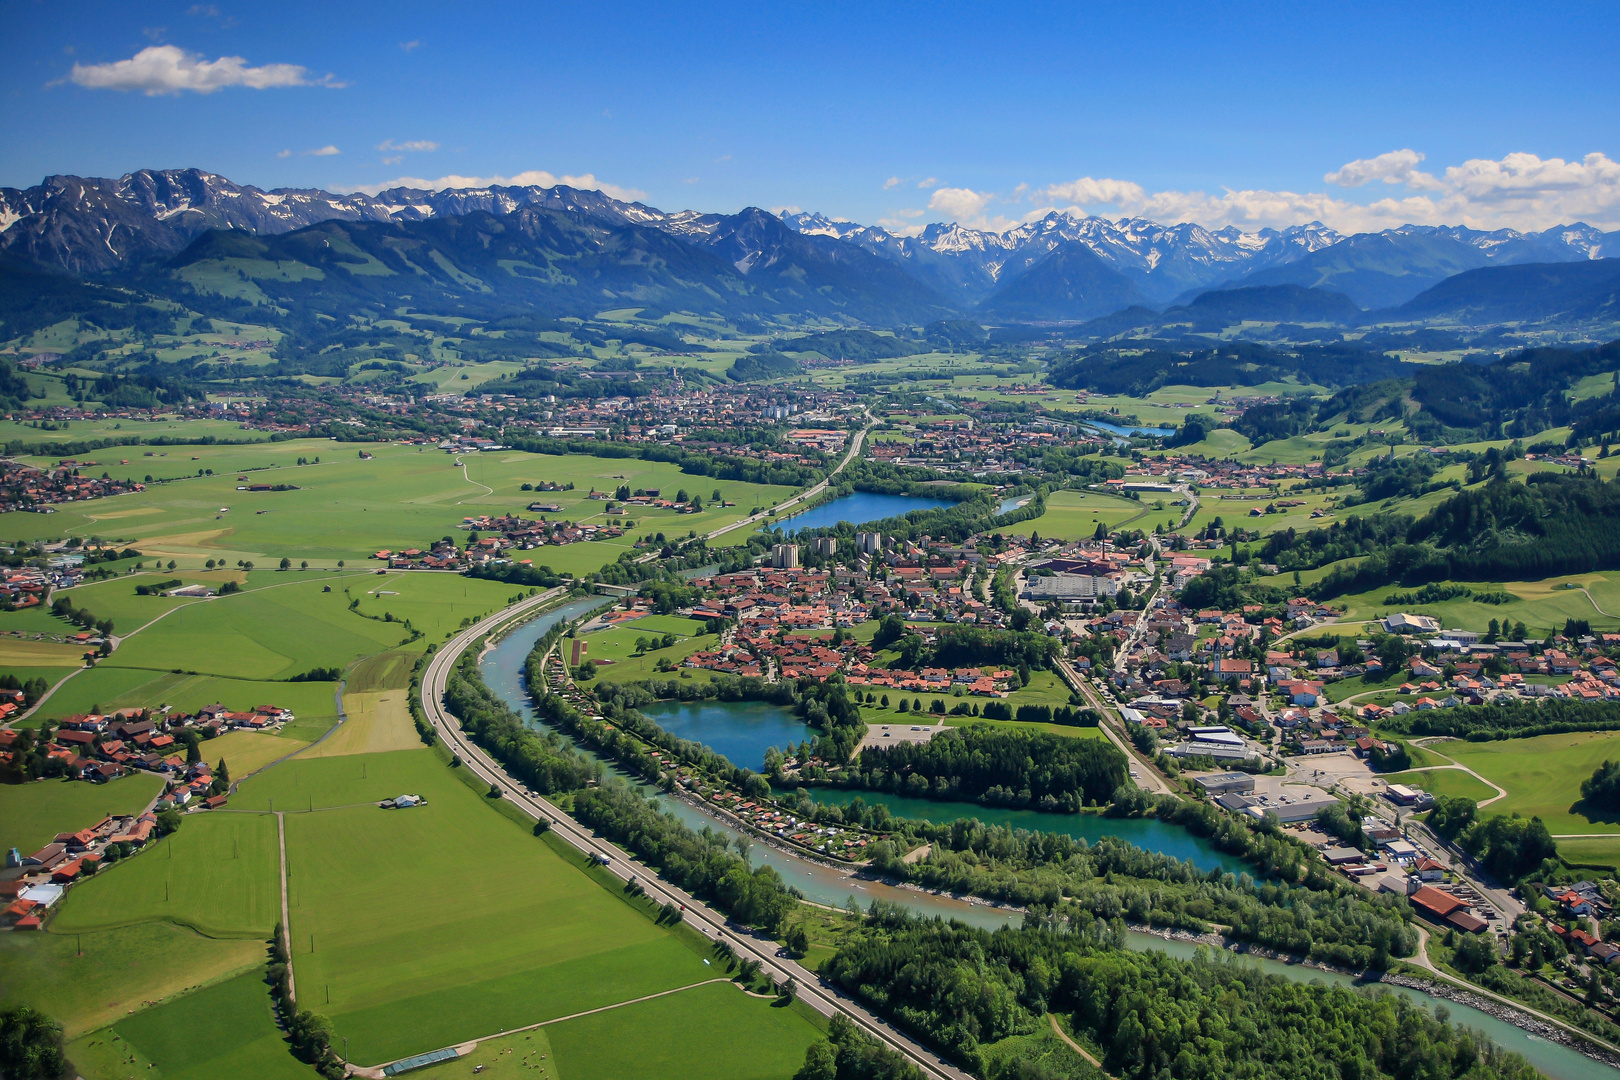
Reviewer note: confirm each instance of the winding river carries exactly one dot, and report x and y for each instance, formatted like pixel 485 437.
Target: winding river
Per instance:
pixel 502 667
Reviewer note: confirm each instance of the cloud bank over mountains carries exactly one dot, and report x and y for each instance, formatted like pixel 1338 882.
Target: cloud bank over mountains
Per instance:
pixel 1520 191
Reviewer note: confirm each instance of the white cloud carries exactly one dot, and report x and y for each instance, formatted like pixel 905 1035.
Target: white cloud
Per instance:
pixel 923 185
pixel 532 178
pixel 966 207
pixel 410 46
pixel 283 153
pixel 395 160
pixel 960 202
pixel 168 69
pixel 892 182
pixel 413 145
pixel 1520 191
pixel 1395 167
pixel 326 151
pixel 1087 191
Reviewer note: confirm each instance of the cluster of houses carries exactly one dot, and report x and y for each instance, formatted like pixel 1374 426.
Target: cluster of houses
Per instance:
pixel 32 884
pixel 24 487
pixel 508 534
pixel 839 841
pixel 98 748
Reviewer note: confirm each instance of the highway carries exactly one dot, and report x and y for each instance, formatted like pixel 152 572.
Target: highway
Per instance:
pixel 825 999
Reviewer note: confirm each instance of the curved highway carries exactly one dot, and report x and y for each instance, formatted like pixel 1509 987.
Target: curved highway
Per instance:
pixel 825 999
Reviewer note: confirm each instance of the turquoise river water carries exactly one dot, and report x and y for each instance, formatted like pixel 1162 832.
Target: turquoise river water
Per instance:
pixel 748 726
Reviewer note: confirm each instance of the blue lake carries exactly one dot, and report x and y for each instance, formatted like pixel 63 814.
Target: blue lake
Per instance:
pixel 740 731
pixel 1117 429
pixel 1150 834
pixel 859 508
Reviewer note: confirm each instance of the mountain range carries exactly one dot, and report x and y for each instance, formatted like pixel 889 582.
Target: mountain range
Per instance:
pixel 1057 268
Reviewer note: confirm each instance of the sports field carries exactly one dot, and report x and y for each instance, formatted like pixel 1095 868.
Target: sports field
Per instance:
pixel 219 875
pixel 1075 515
pixel 1542 775
pixel 1045 688
pixel 32 814
pixel 1452 783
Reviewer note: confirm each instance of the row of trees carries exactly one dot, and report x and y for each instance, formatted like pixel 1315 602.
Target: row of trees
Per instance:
pixel 1511 719
pixel 703 863
pixel 544 761
pixel 1509 848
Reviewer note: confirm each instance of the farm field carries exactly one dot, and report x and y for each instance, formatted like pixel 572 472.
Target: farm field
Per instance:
pixel 406 975
pixel 246 752
pixel 434 603
pixel 119 970
pixel 17 653
pixel 1542 775
pixel 218 874
pixel 378 722
pixel 32 814
pixel 713 1032
pixel 126 427
pixel 269 633
pixel 224 1030
pixel 348 507
pixel 1075 515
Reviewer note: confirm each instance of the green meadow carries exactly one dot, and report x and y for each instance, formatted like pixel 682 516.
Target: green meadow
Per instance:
pixel 614 650
pixel 1543 775
pixel 32 814
pixel 89 979
pixel 1542 606
pixel 348 507
pixel 269 633
pixel 526 935
pixel 1451 783
pixel 224 1030
pixel 1075 515
pixel 715 1032
pixel 219 874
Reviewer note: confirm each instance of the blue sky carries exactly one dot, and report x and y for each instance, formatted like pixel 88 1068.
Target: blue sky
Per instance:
pixel 1256 115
